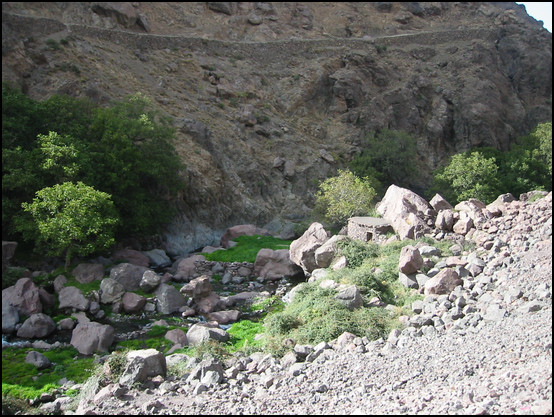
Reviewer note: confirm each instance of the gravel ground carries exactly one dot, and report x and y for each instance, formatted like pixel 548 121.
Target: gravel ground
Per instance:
pixel 488 367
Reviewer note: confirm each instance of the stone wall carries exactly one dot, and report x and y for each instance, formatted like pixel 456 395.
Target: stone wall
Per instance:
pixel 256 51
pixel 368 229
pixel 226 270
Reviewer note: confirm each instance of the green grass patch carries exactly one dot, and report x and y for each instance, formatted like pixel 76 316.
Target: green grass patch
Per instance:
pixel 242 334
pixel 25 381
pixel 247 249
pixel 315 316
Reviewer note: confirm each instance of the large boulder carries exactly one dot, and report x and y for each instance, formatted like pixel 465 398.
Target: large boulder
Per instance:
pixel 207 304
pixel 111 291
pixel 407 212
pixel 132 303
pixel 208 372
pixel 87 272
pixel 158 258
pixel 177 336
pixel 128 275
pixel 124 13
pixel 24 295
pixel 72 297
pixel 202 332
pixel 443 283
pixel 38 360
pixel 169 299
pixel 476 210
pixel 241 230
pixel 10 317
pixel 439 203
pixel 37 326
pixel 150 281
pixel 410 260
pixel 143 364
pixel 302 250
pixel 275 264
pixel 325 254
pixel 445 219
pixel 224 317
pixel 90 337
pixel 131 256
pixel 185 268
pixel 198 288
pixel 350 297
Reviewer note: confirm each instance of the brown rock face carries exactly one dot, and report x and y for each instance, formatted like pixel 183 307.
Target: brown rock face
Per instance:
pixel 313 76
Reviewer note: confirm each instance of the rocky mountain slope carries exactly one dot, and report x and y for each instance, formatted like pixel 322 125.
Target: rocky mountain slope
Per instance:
pixel 271 98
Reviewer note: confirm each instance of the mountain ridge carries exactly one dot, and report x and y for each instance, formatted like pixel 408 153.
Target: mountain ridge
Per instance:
pixel 256 103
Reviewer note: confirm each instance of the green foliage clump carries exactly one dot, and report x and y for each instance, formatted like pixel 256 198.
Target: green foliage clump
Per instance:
pixel 53 44
pixel 314 316
pixel 344 196
pixel 124 150
pixel 211 348
pixel 389 157
pixel 356 251
pixel 72 219
pixel 485 173
pixel 367 279
pixel 12 275
pixel 114 365
pixel 469 175
pixel 247 248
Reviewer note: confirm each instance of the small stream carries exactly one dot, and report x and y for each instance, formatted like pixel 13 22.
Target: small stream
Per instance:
pixel 129 326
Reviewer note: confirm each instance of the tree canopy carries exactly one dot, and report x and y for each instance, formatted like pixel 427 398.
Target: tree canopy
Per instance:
pixel 125 150
pixel 344 196
pixel 72 219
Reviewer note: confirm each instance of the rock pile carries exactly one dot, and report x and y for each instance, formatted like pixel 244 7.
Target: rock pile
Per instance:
pixel 480 342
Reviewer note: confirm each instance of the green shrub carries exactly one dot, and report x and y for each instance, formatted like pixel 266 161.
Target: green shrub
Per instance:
pixel 366 279
pixel 178 369
pixel 115 365
pixel 388 157
pixel 484 173
pixel 356 252
pixel 343 196
pixel 280 324
pixel 468 175
pixel 211 348
pixel 315 316
pixel 53 44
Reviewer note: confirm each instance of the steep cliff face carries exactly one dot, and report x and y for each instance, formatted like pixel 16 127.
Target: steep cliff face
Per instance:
pixel 271 98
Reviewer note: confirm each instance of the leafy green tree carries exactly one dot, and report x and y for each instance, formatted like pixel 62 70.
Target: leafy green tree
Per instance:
pixel 344 196
pixel 528 164
pixel 21 119
pixel 543 133
pixel 61 156
pixel 72 219
pixel 389 156
pixel 468 175
pixel 125 150
pixel 131 156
